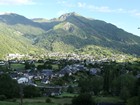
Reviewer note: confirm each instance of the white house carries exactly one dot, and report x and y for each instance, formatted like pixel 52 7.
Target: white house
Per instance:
pixel 23 80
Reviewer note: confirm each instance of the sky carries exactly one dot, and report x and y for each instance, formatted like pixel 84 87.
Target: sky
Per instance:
pixel 124 14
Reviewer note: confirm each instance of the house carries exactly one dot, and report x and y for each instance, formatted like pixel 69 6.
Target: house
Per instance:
pixel 22 80
pixel 2 63
pixel 1 72
pixel 47 73
pixel 64 72
pixel 28 75
pixel 94 71
pixel 13 61
pixel 138 76
pixel 71 69
pixel 51 90
pixel 37 77
pixel 45 81
pixel 14 75
pixel 80 67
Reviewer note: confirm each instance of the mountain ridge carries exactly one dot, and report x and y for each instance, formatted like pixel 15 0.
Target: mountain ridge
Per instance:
pixel 68 32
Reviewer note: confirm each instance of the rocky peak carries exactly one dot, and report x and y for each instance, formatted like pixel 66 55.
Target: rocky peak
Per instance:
pixel 65 16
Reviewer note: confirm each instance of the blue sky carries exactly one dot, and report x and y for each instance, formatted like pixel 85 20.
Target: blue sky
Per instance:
pixel 124 14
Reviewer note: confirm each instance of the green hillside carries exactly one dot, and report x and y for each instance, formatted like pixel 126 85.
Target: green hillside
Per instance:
pixel 12 41
pixel 68 33
pixel 79 31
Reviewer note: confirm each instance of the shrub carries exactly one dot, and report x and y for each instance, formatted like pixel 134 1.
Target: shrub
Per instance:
pixel 83 99
pixel 48 100
pixel 14 100
pixel 2 97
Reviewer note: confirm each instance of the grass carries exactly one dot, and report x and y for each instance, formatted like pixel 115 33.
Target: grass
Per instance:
pixel 18 66
pixel 55 67
pixel 60 100
pixel 41 101
pixel 66 95
pixel 8 103
pixel 26 103
pixel 36 64
pixel 107 99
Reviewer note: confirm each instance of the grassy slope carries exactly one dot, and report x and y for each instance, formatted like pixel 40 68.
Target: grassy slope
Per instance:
pixel 12 41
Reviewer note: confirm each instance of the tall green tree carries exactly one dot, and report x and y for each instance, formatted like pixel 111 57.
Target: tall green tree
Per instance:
pixel 31 91
pixel 8 86
pixel 124 81
pixel 92 84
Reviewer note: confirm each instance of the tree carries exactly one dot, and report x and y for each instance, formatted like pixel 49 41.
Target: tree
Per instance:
pixel 106 84
pixel 29 65
pixel 40 67
pixel 124 94
pixel 83 99
pixel 70 89
pixel 97 84
pixel 85 85
pixel 124 81
pixel 8 86
pixel 91 84
pixel 31 91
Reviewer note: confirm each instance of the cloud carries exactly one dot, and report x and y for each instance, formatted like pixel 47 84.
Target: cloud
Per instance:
pixel 16 2
pixel 66 3
pixel 61 1
pixel 135 13
pixel 106 9
pixel 81 5
pixel 93 7
pixel 61 12
pixel 99 9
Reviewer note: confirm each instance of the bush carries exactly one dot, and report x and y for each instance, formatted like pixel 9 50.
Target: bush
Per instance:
pixel 66 104
pixel 14 100
pixel 70 89
pixel 133 101
pixel 2 97
pixel 48 100
pixel 31 91
pixel 83 99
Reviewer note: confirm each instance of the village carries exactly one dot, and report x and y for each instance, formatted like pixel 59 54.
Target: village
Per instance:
pixel 43 73
pixel 59 74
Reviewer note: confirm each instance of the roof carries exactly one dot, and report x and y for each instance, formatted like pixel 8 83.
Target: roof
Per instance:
pixel 47 72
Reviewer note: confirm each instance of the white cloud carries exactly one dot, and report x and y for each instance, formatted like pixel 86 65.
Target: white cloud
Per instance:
pixel 106 9
pixel 135 13
pixel 99 9
pixel 81 5
pixel 61 12
pixel 61 1
pixel 66 3
pixel 16 2
pixel 93 7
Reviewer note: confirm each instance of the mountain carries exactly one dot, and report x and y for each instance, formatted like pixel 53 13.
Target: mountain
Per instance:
pixel 77 31
pixel 68 33
pixel 17 34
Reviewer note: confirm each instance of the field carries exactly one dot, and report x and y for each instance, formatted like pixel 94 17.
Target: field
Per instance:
pixel 39 101
pixel 60 100
pixel 18 67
